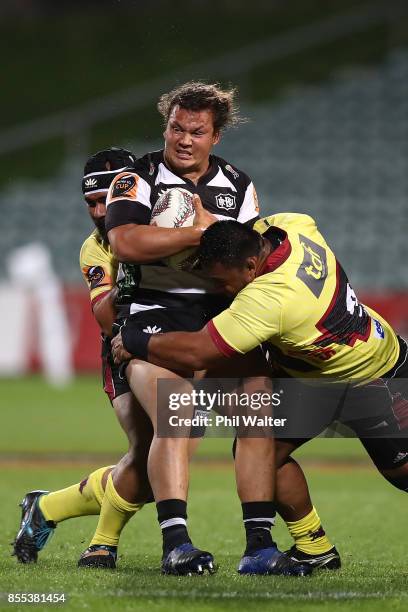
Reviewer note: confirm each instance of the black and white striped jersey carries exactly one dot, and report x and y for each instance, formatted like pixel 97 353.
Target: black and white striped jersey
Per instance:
pixel 225 191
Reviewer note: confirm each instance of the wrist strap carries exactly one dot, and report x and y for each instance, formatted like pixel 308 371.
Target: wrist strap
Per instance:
pixel 135 341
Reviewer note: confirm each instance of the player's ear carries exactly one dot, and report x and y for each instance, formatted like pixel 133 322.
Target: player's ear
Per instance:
pixel 216 137
pixel 251 265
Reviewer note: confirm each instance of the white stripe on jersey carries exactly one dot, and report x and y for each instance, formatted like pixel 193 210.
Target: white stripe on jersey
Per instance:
pixel 143 192
pixel 166 279
pixel 134 308
pixel 223 217
pixel 220 180
pixel 164 175
pixel 249 208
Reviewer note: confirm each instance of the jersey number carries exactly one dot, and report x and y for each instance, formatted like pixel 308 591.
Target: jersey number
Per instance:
pixel 346 320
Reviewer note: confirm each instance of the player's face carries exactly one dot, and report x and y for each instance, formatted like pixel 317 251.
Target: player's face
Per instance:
pixel 97 210
pixel 189 138
pixel 231 280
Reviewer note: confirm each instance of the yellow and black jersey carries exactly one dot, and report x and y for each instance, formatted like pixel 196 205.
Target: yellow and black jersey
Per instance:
pixel 99 266
pixel 303 307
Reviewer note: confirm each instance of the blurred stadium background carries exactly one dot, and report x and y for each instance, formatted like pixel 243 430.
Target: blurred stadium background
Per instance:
pixel 324 86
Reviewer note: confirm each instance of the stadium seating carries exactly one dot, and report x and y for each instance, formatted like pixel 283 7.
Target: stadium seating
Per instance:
pixel 337 151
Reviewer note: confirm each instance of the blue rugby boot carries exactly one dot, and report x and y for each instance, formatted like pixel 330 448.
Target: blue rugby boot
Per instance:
pixel 186 560
pixel 271 562
pixel 99 556
pixel 34 531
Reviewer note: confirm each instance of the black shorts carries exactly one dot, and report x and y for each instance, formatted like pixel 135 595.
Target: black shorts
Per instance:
pixel 154 321
pixel 376 413
pixel 189 318
pixel 161 320
pixel 187 314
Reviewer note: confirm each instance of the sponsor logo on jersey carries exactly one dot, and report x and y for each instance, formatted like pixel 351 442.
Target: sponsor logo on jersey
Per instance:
pixel 225 201
pixel 378 330
pixel 124 186
pixel 91 182
pixel 95 275
pixel 233 172
pixel 313 270
pixel 152 330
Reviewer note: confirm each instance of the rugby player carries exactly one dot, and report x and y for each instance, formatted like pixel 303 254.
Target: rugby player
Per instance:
pixel 194 116
pixel 293 297
pixel 42 510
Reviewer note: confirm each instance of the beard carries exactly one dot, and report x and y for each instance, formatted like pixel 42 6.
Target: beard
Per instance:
pixel 100 226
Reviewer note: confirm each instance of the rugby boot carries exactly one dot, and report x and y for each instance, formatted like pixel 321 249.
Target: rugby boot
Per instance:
pixel 271 561
pixel 186 560
pixel 99 556
pixel 329 560
pixel 34 531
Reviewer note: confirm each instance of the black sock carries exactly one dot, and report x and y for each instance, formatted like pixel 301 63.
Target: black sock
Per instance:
pixel 258 520
pixel 172 517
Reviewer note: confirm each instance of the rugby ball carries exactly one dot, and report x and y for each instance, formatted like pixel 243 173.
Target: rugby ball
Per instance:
pixel 173 209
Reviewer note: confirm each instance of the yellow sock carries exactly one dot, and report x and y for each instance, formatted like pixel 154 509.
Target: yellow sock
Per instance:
pixel 81 499
pixel 309 534
pixel 115 513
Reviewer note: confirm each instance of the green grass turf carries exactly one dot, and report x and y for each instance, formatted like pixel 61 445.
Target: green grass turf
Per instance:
pixel 364 516
pixel 361 512
pixel 78 420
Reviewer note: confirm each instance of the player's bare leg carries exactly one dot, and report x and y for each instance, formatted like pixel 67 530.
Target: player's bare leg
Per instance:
pixel 130 473
pixel 168 469
pixel 127 487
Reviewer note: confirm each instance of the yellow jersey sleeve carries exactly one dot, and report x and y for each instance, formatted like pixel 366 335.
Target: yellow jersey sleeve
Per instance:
pixel 253 318
pixel 98 265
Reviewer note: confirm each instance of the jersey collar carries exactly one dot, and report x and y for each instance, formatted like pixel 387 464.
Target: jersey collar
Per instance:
pixel 205 178
pixel 277 257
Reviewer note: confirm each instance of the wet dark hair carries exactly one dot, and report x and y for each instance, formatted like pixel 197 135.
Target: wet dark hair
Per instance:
pixel 109 159
pixel 198 96
pixel 229 243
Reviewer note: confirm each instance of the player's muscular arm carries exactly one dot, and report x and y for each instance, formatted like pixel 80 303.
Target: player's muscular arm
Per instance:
pixel 183 350
pixel 144 243
pixel 104 311
pixel 192 350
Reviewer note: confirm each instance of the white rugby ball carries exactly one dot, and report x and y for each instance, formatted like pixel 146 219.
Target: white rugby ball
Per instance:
pixel 175 209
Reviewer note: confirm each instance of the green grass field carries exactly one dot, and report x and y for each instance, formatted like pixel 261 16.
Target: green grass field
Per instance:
pixel 43 429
